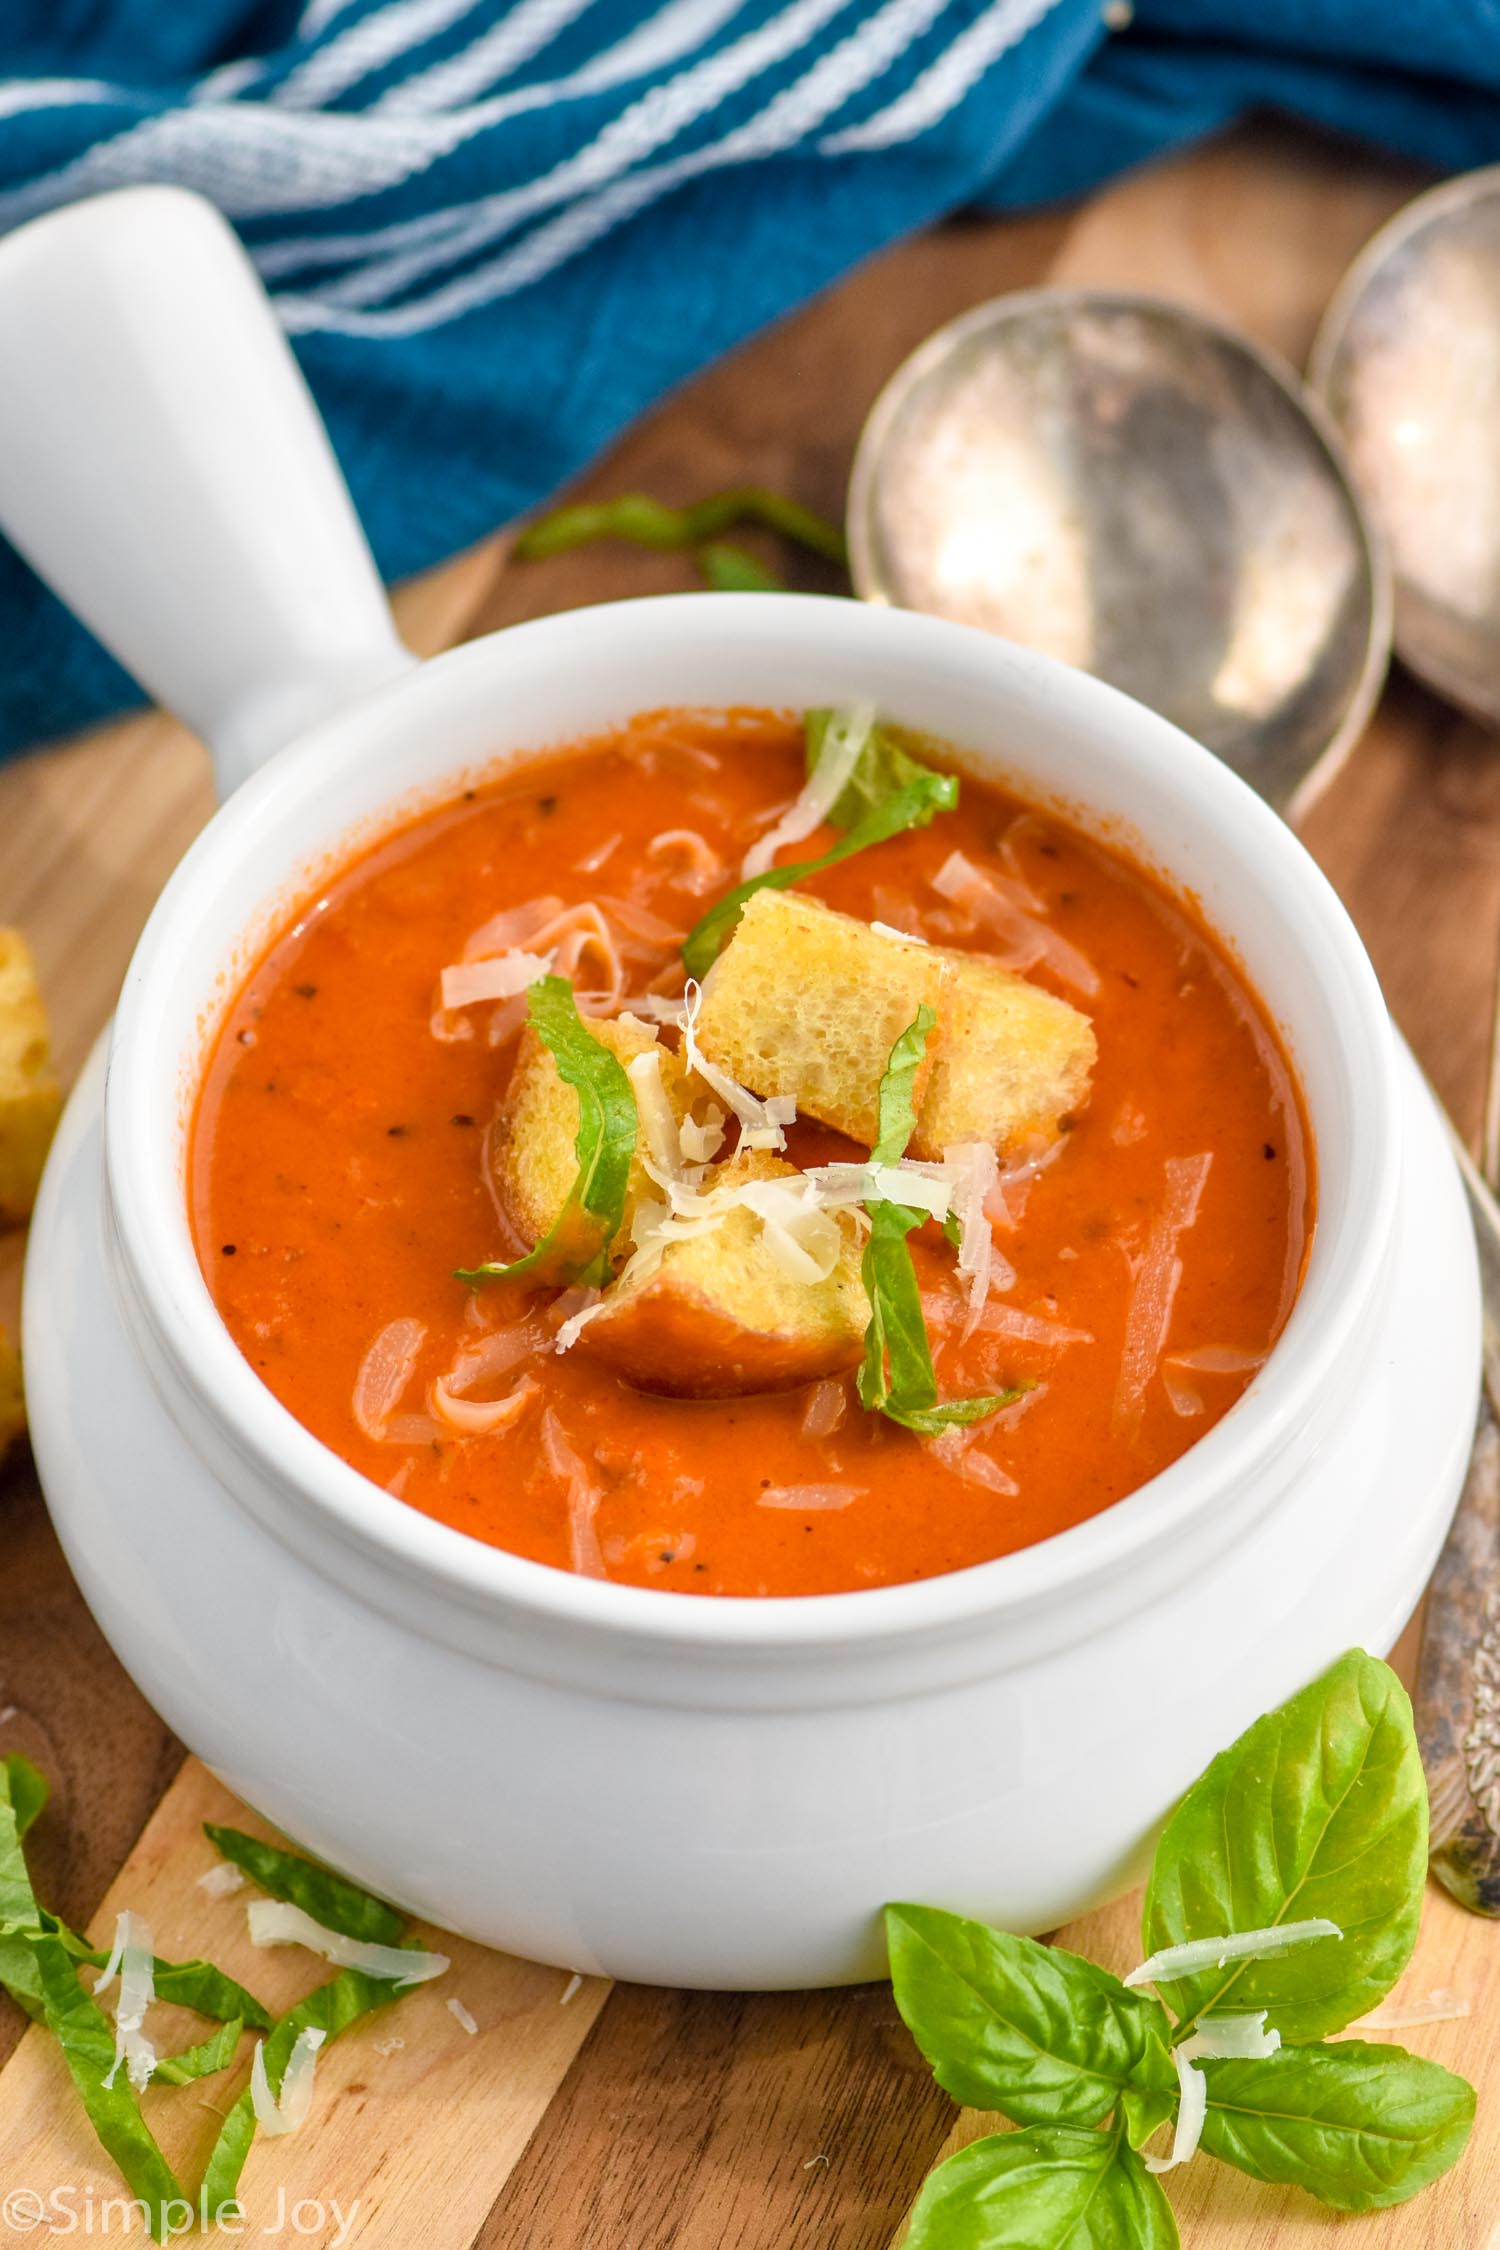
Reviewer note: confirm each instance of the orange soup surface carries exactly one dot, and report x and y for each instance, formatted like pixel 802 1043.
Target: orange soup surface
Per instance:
pixel 1143 1264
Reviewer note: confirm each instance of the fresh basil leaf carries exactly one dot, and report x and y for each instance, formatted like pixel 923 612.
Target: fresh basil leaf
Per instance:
pixel 328 1898
pixel 210 2055
pixel 895 1097
pixel 884 765
pixel 27 1789
pixel 896 1376
pixel 729 570
pixel 17 1798
pixel 1359 2126
pixel 1047 2188
pixel 645 522
pixel 331 2008
pixel 1145 2109
pixel 911 806
pixel 1024 2028
pixel 1320 1808
pixel 87 2039
pixel 576 1246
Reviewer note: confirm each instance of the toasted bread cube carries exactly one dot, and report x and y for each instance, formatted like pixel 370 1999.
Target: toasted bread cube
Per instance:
pixel 533 1149
pixel 719 1318
pixel 12 1401
pixel 1015 1060
pixel 807 1002
pixel 30 1097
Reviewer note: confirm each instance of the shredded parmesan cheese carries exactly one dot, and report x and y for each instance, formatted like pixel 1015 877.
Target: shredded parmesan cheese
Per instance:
pixel 462 2017
pixel 902 937
pixel 500 978
pixel 826 1405
pixel 1440 2006
pixel 809 1495
pixel 1155 1279
pixel 480 1417
pixel 296 2084
pixel 973 1169
pixel 384 1374
pixel 701 864
pixel 844 738
pixel 762 1123
pixel 1003 906
pixel 219 1881
pixel 273 1922
pixel 1192 2108
pixel 1233 2039
pixel 586 1555
pixel 1236 1945
pixel 573 1985
pixel 132 1959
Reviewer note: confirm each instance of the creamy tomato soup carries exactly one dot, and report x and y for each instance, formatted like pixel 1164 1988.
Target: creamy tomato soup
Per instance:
pixel 1116 1268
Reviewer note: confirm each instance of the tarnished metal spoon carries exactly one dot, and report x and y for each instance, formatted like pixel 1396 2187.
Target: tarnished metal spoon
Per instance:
pixel 1138 491
pixel 1132 488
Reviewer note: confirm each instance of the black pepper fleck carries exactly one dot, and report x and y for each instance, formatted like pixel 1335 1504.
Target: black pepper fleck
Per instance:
pixel 305 991
pixel 546 804
pixel 227 1249
pixel 395 1132
pixel 1269 1152
pixel 459 1118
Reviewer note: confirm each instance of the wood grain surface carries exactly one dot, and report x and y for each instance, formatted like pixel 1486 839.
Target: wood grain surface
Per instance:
pixel 638 2119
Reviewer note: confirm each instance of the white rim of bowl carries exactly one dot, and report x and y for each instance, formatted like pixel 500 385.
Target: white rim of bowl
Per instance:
pixel 174 1296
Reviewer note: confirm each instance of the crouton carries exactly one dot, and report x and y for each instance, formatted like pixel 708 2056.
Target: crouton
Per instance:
pixel 807 1002
pixel 12 1403
pixel 30 1097
pixel 1014 1061
pixel 718 1317
pixel 533 1151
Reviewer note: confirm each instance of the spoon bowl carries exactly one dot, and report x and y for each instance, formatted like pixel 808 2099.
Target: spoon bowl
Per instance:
pixel 1125 485
pixel 1407 362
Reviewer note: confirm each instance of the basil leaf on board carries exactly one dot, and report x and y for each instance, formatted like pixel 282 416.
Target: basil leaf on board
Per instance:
pixel 645 522
pixel 210 2055
pixel 1320 1808
pixel 27 1790
pixel 1024 2028
pixel 896 1376
pixel 1047 2188
pixel 1357 2125
pixel 87 2039
pixel 332 2008
pixel 910 806
pixel 575 1247
pixel 727 569
pixel 328 1898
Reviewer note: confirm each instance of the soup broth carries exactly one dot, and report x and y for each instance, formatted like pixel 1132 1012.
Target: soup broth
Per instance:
pixel 342 1172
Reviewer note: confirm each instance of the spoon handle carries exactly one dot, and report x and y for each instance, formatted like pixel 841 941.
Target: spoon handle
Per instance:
pixel 1458 1678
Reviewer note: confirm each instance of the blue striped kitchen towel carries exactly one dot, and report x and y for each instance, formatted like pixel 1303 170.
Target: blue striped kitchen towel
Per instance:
pixel 497 229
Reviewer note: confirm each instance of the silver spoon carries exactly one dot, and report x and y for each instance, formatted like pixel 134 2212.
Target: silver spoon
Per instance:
pixel 1132 488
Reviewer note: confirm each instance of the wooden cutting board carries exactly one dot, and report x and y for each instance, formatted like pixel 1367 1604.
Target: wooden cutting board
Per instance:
pixel 632 2119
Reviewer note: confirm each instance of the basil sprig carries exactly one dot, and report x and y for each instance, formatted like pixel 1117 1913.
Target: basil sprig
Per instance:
pixel 896 1377
pixel 888 792
pixel 1319 1809
pixel 575 1247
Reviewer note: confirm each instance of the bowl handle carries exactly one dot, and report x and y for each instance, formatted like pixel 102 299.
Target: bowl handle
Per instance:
pixel 163 466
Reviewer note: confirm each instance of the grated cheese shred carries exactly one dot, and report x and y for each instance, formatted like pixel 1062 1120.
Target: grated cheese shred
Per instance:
pixel 844 739
pixel 274 1922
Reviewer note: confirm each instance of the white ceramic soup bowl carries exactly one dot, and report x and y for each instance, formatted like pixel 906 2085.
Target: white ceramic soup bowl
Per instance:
pixel 694 1791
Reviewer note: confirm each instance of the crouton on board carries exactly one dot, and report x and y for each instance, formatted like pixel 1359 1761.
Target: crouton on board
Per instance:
pixel 718 1317
pixel 30 1097
pixel 533 1149
pixel 807 1002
